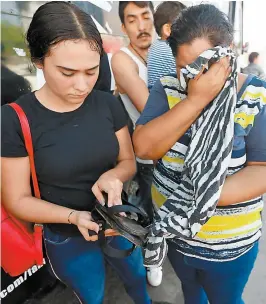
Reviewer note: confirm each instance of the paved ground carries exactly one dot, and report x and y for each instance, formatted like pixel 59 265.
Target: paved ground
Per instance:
pixel 170 290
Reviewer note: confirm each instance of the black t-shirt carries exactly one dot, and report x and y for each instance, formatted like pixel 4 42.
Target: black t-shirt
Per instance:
pixel 104 80
pixel 12 85
pixel 72 149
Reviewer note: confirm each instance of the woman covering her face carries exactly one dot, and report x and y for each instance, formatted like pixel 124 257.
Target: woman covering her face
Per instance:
pixel 82 149
pixel 205 125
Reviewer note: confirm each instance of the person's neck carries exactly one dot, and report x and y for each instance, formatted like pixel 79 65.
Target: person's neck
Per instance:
pixel 163 38
pixel 140 53
pixel 54 103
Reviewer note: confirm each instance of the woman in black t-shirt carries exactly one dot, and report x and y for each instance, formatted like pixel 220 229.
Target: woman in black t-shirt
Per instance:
pixel 82 148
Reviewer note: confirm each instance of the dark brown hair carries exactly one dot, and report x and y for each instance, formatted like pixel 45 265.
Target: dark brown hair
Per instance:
pixel 201 21
pixel 124 4
pixel 252 56
pixel 57 21
pixel 166 12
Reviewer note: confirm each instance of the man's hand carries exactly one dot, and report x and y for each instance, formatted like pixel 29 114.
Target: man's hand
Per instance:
pixel 205 87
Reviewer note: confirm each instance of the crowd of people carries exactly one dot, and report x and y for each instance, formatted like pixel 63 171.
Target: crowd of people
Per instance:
pixel 197 148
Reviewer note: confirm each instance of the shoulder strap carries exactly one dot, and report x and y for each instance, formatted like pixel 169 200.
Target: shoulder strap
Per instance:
pixel 28 143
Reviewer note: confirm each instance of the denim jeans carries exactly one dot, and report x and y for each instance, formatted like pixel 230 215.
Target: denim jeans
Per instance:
pixel 80 265
pixel 218 282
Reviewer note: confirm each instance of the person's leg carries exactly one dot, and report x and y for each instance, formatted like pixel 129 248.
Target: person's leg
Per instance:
pixel 144 178
pixel 131 271
pixel 77 263
pixel 224 282
pixel 192 290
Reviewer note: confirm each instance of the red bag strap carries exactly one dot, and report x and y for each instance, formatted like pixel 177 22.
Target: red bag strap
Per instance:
pixel 28 143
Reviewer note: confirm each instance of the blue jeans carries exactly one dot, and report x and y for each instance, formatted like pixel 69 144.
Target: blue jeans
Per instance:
pixel 80 265
pixel 218 282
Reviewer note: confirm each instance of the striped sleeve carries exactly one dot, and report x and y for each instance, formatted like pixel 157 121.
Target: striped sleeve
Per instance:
pixel 255 96
pixel 256 140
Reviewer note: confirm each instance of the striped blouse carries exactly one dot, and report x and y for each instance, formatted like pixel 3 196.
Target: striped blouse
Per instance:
pixel 233 229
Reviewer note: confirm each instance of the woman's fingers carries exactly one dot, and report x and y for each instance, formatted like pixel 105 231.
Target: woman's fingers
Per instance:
pixel 114 194
pixel 86 235
pixel 84 229
pixel 118 201
pixel 98 194
pixel 111 197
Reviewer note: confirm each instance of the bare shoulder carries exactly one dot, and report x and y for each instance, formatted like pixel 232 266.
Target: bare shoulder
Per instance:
pixel 120 55
pixel 121 60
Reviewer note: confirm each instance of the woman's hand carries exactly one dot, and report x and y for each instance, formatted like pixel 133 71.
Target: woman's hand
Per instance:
pixel 205 87
pixel 110 184
pixel 83 220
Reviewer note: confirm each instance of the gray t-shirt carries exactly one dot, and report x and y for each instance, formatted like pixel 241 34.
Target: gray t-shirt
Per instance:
pixel 254 69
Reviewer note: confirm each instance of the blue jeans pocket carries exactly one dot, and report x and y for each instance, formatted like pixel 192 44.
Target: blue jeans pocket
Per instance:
pixel 54 238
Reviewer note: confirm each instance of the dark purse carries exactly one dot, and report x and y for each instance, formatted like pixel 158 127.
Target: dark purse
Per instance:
pixel 134 226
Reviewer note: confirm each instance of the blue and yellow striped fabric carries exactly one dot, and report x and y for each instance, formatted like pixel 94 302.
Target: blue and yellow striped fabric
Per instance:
pixel 232 230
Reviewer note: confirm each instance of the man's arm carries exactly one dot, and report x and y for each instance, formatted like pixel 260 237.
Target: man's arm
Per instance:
pixel 128 80
pixel 249 182
pixel 153 139
pixel 244 185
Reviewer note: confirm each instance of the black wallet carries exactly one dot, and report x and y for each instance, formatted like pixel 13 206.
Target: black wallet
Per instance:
pixel 134 226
